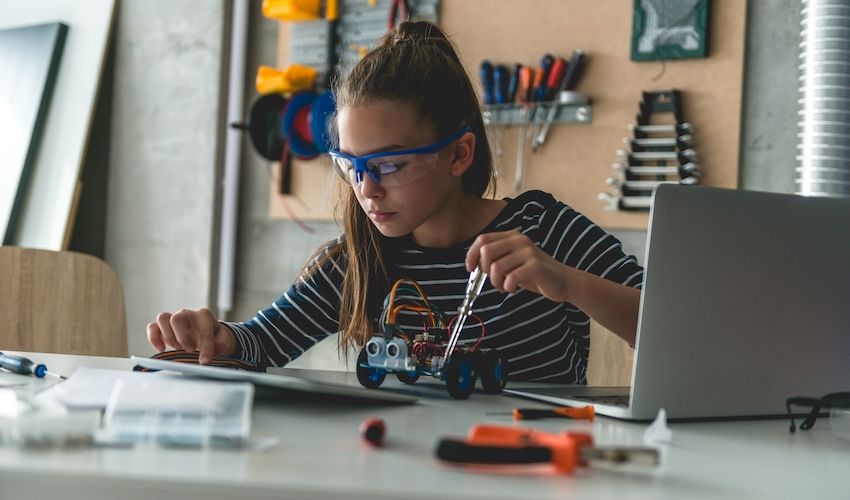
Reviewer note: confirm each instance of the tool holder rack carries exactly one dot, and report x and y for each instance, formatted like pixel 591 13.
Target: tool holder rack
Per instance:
pixel 657 153
pixel 506 115
pixel 334 46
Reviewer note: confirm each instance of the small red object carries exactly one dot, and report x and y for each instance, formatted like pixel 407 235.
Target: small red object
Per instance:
pixel 373 431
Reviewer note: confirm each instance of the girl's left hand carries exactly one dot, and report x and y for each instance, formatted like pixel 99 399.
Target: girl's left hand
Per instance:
pixel 513 261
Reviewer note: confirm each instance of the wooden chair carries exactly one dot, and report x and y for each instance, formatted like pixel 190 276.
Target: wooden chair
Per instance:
pixel 611 358
pixel 61 302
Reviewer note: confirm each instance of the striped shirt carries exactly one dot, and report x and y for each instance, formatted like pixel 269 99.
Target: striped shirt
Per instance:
pixel 542 340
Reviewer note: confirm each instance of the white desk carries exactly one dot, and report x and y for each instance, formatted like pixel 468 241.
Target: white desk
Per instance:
pixel 320 455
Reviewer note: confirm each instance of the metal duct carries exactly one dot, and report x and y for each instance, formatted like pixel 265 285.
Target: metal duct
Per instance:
pixel 824 133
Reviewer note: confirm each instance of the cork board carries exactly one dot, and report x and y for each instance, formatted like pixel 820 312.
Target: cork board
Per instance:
pixel 576 158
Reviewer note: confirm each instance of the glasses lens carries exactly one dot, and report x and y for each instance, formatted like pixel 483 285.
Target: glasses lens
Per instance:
pixel 344 167
pixel 402 169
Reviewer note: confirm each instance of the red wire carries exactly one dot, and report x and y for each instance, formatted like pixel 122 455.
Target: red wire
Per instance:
pixel 483 332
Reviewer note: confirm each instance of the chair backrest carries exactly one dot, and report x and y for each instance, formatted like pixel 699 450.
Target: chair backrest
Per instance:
pixel 62 302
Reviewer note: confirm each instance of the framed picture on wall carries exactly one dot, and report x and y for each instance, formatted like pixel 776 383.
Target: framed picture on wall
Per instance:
pixel 669 29
pixel 30 58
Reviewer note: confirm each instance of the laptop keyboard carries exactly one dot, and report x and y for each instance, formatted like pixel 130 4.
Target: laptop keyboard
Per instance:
pixel 617 400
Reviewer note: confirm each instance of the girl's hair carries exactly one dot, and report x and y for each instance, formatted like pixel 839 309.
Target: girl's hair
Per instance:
pixel 412 64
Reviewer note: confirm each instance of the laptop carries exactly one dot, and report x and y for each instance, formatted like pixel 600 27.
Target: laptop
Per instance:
pixel 746 302
pixel 289 383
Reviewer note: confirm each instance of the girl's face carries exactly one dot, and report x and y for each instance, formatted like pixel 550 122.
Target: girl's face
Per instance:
pixel 413 195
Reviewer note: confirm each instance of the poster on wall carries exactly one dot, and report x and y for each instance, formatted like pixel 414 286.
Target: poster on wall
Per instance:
pixel 669 29
pixel 30 58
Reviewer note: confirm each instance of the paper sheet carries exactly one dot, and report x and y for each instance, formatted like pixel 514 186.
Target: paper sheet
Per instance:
pixel 88 387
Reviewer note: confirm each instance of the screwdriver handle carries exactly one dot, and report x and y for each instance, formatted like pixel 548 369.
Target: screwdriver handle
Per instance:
pixel 574 68
pixel 583 413
pixel 540 87
pixel 22 366
pixel 556 76
pixel 486 74
pixel 500 83
pixel 526 74
pixel 539 76
pixel 513 85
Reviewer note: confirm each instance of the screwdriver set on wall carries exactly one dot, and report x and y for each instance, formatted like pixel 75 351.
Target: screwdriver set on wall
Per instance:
pixel 660 151
pixel 533 98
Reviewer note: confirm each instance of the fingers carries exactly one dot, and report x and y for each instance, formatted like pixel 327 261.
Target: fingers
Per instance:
pixel 208 325
pixel 190 330
pixel 163 321
pixel 473 255
pixel 185 331
pixel 489 248
pixel 155 337
pixel 506 274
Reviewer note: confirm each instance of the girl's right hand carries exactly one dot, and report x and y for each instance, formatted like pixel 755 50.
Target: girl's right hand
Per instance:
pixel 192 330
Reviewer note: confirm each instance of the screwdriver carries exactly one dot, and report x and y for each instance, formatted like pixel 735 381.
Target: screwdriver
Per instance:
pixel 486 74
pixel 24 366
pixel 540 86
pixel 523 90
pixel 513 84
pixel 582 413
pixel 501 83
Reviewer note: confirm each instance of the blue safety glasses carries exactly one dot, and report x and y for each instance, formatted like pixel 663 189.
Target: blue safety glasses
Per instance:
pixel 391 168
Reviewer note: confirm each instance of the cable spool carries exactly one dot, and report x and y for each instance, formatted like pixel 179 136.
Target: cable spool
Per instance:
pixel 264 126
pixel 305 123
pixel 301 121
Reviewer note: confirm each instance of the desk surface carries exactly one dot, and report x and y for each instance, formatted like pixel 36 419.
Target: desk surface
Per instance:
pixel 320 455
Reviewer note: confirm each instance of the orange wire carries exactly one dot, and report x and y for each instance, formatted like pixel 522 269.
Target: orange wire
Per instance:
pixel 394 312
pixel 395 289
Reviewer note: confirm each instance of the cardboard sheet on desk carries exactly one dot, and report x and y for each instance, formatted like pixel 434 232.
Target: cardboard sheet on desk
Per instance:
pixel 285 382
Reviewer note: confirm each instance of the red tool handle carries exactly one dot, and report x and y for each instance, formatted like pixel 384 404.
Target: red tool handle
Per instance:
pixel 556 76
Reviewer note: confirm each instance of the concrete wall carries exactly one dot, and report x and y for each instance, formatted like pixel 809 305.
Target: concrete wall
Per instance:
pixel 162 161
pixel 164 130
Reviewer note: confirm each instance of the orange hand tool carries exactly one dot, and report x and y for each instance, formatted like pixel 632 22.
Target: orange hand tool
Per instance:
pixel 583 413
pixel 503 445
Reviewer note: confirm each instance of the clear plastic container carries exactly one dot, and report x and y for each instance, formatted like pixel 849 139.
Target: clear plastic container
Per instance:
pixel 168 411
pixel 24 423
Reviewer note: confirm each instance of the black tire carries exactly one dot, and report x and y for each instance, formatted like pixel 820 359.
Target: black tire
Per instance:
pixel 368 377
pixel 408 377
pixel 493 371
pixel 460 375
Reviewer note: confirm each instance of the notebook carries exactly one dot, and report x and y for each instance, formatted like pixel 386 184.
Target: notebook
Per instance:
pixel 746 302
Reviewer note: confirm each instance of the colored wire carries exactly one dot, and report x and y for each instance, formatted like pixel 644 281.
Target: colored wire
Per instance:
pixel 483 331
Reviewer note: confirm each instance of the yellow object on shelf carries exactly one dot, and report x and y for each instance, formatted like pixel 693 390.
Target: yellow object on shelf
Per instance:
pixel 292 10
pixel 332 10
pixel 292 78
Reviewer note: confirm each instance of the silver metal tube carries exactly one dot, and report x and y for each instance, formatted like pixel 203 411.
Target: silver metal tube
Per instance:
pixel 232 152
pixel 823 142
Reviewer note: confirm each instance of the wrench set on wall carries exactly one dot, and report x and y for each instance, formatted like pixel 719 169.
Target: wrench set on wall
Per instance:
pixel 660 151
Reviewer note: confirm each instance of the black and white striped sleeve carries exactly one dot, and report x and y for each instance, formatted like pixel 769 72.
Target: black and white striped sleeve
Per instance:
pixel 307 313
pixel 575 240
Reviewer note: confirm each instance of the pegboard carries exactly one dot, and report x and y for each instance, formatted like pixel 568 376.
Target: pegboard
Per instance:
pixel 576 159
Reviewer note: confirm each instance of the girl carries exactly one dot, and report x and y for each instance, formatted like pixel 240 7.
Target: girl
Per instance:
pixel 412 148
